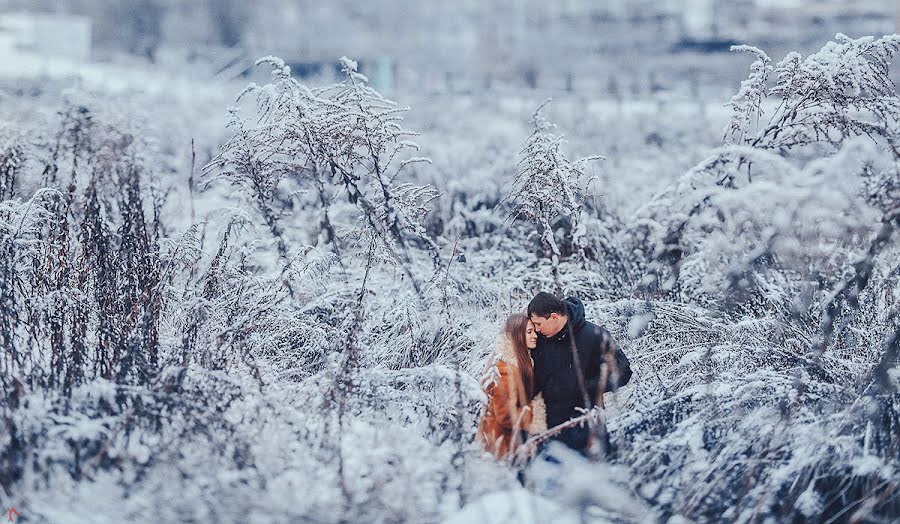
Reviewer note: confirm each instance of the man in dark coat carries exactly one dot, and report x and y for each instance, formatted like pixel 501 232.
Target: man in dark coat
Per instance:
pixel 561 325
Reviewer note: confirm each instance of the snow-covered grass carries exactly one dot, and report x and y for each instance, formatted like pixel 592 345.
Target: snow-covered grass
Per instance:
pixel 307 343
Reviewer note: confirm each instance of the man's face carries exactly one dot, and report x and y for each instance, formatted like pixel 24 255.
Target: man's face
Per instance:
pixel 548 326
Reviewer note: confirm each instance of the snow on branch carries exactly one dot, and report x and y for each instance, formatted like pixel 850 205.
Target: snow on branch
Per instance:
pixel 549 187
pixel 344 137
pixel 747 102
pixel 841 91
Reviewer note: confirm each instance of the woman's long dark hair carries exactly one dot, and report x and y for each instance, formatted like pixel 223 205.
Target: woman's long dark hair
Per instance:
pixel 515 330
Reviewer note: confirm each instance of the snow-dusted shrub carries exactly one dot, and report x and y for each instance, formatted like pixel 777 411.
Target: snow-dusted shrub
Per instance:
pixel 549 192
pixel 730 420
pixel 89 295
pixel 717 235
pixel 755 210
pixel 83 255
pixel 763 388
pixel 843 90
pixel 346 137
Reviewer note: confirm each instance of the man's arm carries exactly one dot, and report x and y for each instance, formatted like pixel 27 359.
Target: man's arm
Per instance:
pixel 618 365
pixel 618 368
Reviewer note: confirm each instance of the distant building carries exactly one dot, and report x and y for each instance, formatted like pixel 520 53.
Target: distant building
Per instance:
pixel 56 35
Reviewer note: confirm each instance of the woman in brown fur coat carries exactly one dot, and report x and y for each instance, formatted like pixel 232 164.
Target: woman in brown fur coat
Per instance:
pixel 508 383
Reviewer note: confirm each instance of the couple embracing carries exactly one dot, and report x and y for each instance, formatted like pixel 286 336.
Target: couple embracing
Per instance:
pixel 550 366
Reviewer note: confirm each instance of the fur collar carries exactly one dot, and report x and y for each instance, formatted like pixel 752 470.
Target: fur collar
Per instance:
pixel 505 351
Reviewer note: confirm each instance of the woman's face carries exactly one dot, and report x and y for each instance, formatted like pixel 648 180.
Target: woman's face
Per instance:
pixel 530 336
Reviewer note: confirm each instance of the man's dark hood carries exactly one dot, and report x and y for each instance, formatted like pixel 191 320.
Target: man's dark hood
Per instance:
pixel 575 318
pixel 576 313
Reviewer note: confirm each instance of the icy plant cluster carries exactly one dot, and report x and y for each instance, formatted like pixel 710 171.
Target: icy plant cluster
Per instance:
pixel 548 192
pixel 310 346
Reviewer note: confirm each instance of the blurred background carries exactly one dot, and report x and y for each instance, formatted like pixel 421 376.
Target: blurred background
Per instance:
pixel 613 48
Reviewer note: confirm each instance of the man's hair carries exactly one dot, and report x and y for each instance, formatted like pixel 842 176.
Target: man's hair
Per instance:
pixel 544 304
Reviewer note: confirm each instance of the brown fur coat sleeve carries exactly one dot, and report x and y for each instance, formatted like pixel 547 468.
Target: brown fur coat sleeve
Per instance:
pixel 538 415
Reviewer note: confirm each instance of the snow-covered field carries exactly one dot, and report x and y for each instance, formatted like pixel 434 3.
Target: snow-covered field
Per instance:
pixel 282 313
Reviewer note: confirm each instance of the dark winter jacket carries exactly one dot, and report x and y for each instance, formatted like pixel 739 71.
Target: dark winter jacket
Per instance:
pixel 556 378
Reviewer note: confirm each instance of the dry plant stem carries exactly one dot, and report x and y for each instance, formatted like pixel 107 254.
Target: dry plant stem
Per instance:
pixel 191 180
pixel 344 379
pixel 849 289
